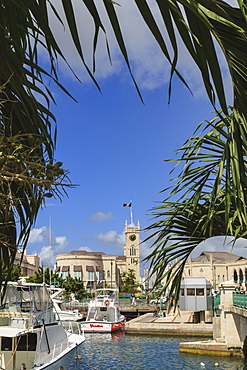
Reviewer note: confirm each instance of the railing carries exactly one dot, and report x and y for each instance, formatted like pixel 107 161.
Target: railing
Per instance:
pixel 239 299
pixel 216 301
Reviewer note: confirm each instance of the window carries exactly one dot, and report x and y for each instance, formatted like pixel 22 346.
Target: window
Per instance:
pixel 199 291
pixel 182 292
pixel 132 251
pixel 6 344
pixel 108 274
pixel 99 275
pixel 78 275
pixel 64 274
pixel 223 277
pixel 208 292
pixel 90 276
pixel 218 277
pixel 190 291
pixel 78 272
pixel 27 342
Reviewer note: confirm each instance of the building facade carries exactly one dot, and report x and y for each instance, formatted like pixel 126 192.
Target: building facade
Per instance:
pixel 29 263
pixel 217 267
pixel 97 269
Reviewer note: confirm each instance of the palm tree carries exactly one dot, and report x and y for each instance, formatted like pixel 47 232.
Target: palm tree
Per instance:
pixel 207 199
pixel 26 99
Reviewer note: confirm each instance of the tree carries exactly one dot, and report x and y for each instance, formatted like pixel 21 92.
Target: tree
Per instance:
pixel 43 275
pixel 207 197
pixel 129 284
pixel 15 272
pixel 75 287
pixel 25 29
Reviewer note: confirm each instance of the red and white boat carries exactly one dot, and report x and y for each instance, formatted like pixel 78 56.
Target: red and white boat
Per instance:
pixel 103 313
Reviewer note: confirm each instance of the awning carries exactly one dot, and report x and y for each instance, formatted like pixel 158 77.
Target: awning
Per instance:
pixel 78 268
pixel 89 268
pixel 99 269
pixel 65 268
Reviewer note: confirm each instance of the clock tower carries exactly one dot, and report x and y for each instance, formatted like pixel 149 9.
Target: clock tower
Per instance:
pixel 132 248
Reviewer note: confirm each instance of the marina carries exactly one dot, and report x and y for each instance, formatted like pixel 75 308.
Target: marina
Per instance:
pixel 144 352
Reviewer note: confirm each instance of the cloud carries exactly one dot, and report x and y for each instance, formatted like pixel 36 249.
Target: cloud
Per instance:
pixel 111 238
pixel 53 245
pixel 220 244
pixel 38 235
pixel 100 216
pixel 149 66
pixel 48 253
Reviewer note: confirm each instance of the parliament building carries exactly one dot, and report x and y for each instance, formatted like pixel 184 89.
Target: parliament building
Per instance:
pixel 97 269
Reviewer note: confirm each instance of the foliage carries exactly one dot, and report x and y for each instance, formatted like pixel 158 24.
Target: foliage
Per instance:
pixel 75 287
pixel 71 285
pixel 42 275
pixel 13 275
pixel 129 284
pixel 26 180
pixel 208 197
pixel 25 30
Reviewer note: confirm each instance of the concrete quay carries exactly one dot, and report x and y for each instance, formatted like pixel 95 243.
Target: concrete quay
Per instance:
pixel 179 324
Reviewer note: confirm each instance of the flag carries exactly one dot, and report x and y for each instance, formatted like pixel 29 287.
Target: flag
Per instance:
pixel 127 204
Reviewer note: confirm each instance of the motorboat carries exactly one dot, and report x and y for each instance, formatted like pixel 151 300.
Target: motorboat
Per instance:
pixel 61 312
pixel 31 337
pixel 103 313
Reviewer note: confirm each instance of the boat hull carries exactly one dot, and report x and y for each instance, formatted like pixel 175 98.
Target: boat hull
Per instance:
pixel 102 327
pixel 63 357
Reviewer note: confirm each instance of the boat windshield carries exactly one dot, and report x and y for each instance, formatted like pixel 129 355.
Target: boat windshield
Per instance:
pixel 27 297
pixel 102 294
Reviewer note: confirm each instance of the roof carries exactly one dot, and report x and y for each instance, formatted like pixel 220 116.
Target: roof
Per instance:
pixel 8 331
pixel 85 252
pixel 217 257
pixel 123 258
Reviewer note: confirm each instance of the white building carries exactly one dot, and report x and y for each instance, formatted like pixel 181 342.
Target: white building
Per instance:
pixel 97 268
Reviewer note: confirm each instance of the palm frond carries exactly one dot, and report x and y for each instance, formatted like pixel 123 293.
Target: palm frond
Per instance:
pixel 208 197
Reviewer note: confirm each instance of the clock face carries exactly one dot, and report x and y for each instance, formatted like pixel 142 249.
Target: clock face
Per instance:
pixel 132 237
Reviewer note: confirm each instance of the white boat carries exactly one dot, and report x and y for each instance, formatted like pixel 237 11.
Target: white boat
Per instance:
pixel 62 313
pixel 31 338
pixel 103 313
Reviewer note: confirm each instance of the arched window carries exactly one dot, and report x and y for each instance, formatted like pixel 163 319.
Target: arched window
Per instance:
pixel 235 276
pixel 108 274
pixel 241 276
pixel 132 251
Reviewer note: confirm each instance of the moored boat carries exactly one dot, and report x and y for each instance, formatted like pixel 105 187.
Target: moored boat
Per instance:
pixel 58 303
pixel 103 313
pixel 31 338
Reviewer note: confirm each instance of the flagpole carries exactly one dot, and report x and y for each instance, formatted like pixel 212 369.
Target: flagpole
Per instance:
pixel 131 214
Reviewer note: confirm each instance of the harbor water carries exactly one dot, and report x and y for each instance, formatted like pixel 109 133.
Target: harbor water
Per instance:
pixel 141 352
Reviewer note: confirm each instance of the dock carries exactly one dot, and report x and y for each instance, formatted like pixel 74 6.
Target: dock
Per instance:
pixel 171 324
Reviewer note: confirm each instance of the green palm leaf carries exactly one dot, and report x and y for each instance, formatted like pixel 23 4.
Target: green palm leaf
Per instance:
pixel 208 198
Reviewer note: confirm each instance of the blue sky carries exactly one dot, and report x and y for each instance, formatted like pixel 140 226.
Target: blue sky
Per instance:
pixel 113 145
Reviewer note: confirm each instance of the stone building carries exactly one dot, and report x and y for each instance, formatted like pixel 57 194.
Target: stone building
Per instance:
pixel 99 269
pixel 217 267
pixel 29 264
